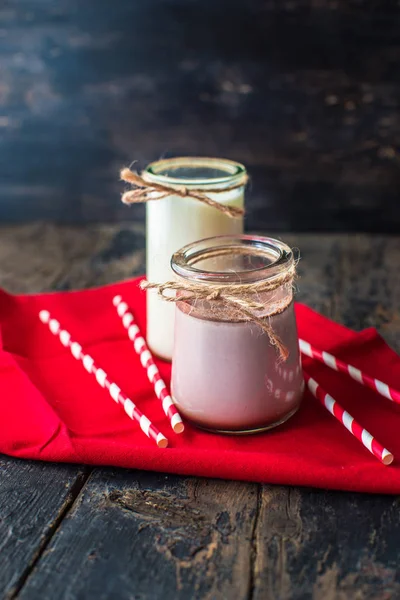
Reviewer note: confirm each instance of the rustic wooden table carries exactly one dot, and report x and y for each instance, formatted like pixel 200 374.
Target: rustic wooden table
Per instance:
pixel 71 532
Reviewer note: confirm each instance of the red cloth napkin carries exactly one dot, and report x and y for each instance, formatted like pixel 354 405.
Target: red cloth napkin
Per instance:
pixel 53 410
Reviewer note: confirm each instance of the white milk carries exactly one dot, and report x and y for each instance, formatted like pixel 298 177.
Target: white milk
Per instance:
pixel 174 222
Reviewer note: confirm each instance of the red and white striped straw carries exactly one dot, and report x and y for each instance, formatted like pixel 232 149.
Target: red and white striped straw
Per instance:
pixel 103 380
pixel 339 365
pixel 349 422
pixel 146 358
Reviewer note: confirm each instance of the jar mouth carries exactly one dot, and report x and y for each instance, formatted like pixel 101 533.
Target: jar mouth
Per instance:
pixel 195 171
pixel 233 259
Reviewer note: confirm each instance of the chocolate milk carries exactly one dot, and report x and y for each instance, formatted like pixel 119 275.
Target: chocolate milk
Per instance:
pixel 227 376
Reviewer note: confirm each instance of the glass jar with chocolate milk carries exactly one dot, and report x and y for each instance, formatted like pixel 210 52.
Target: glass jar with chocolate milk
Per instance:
pixel 236 365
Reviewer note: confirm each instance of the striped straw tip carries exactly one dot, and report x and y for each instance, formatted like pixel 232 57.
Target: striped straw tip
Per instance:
pixel 117 300
pixel 176 423
pixel 387 458
pixel 179 428
pixel 44 316
pixel 162 441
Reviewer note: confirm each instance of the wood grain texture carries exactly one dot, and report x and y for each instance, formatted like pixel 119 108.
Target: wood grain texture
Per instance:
pixel 41 257
pixel 305 93
pixel 33 499
pixel 316 545
pixel 370 290
pixel 137 535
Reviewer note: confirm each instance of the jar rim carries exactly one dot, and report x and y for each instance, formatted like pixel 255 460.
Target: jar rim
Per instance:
pixel 279 254
pixel 161 171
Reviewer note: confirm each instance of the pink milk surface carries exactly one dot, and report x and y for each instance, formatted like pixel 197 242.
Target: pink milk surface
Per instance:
pixel 228 376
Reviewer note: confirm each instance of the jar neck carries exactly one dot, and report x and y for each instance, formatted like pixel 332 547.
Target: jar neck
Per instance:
pixel 196 172
pixel 230 260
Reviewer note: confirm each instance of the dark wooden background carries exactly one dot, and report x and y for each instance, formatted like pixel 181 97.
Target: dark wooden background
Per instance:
pixel 305 93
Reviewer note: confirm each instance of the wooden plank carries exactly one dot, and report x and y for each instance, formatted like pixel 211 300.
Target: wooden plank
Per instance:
pixel 39 257
pixel 34 497
pixel 371 287
pixel 305 94
pixel 326 546
pixel 142 535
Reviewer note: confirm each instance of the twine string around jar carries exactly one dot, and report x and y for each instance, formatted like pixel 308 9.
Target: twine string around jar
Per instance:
pixel 144 191
pixel 237 300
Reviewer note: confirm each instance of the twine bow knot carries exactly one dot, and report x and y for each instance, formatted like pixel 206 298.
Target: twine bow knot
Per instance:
pixel 144 191
pixel 237 299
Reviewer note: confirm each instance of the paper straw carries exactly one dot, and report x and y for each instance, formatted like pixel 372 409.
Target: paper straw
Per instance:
pixel 147 360
pixel 348 421
pixel 103 380
pixel 339 365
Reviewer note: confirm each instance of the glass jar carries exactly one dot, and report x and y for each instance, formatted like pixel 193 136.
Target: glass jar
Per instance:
pixel 227 375
pixel 174 222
